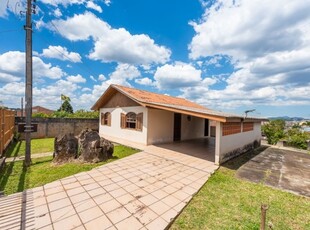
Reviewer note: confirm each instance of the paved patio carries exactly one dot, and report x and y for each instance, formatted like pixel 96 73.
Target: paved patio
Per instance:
pixel 281 168
pixel 144 191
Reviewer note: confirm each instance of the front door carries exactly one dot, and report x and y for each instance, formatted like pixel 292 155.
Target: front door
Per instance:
pixel 206 127
pixel 177 127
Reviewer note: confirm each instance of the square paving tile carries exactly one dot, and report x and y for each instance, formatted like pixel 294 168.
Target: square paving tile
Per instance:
pixel 125 199
pixel 145 216
pixel 134 206
pixel 118 215
pixel 101 222
pixel 158 223
pixel 90 214
pixel 110 205
pixel 96 192
pixel 74 191
pixel 118 192
pixel 159 207
pixel 59 204
pixel 131 223
pixel 148 199
pixel 79 197
pixel 103 198
pixel 84 205
pixel 57 196
pixel 67 223
pixel 62 213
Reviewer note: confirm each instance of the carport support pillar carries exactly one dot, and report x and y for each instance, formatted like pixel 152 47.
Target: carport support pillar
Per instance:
pixel 218 135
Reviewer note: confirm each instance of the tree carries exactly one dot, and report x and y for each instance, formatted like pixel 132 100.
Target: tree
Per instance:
pixel 66 106
pixel 274 131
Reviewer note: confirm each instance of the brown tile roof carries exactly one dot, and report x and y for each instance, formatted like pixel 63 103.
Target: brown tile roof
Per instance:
pixel 174 104
pixel 149 97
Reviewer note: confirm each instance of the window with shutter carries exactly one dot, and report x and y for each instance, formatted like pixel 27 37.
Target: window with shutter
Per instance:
pixel 139 121
pixel 123 120
pixel 107 119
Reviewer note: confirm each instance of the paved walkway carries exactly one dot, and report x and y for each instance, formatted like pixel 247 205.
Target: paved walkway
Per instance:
pixel 144 191
pixel 281 168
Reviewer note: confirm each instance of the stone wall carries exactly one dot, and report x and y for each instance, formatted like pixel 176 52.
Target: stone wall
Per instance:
pixel 52 127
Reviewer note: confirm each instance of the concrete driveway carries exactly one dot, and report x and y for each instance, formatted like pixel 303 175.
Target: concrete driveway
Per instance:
pixel 280 168
pixel 144 191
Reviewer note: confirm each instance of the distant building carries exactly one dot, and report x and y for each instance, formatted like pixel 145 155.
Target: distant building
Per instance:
pixel 35 109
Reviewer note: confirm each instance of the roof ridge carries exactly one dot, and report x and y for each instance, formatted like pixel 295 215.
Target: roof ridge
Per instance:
pixel 161 95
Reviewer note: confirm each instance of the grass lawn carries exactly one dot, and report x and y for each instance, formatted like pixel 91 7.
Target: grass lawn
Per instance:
pixel 14 177
pixel 226 202
pixel 37 146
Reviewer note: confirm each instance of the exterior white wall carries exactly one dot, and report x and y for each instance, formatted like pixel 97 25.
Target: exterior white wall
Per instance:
pixel 160 126
pixel 229 143
pixel 115 129
pixel 192 129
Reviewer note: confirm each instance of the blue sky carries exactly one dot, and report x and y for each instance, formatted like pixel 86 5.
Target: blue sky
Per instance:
pixel 228 55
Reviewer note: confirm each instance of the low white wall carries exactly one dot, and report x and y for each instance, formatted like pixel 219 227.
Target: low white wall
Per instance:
pixel 232 144
pixel 193 128
pixel 160 126
pixel 115 129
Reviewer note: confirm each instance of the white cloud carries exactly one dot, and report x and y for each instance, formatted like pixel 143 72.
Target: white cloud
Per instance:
pixel 93 6
pixel 57 13
pixel 122 74
pixel 107 2
pixel 92 78
pixel 176 76
pixel 144 81
pixel 112 44
pixel 86 89
pixel 76 79
pixel 247 29
pixel 101 77
pixel 61 53
pixel 268 47
pixel 64 3
pixel 12 64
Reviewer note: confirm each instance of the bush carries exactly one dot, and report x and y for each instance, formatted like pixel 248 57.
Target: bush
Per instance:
pixel 274 131
pixel 296 138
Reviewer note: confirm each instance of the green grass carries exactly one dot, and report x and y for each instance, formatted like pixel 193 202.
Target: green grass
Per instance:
pixel 37 146
pixel 14 177
pixel 226 202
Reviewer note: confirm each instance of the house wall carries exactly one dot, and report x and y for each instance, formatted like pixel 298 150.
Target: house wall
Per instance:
pixel 160 126
pixel 232 145
pixel 193 128
pixel 115 129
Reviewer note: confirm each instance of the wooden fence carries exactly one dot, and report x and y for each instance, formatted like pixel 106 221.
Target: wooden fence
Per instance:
pixel 7 125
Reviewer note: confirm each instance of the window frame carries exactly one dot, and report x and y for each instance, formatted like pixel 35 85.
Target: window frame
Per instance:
pixel 132 121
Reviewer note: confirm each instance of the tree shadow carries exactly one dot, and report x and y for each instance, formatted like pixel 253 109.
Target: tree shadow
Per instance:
pixel 13 149
pixel 238 161
pixel 22 178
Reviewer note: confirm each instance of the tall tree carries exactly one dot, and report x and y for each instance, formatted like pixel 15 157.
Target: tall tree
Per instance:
pixel 66 106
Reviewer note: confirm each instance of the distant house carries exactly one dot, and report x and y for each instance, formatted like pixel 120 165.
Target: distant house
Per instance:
pixel 35 109
pixel 149 118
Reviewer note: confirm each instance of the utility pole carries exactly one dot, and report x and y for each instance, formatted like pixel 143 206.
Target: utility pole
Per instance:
pixel 28 90
pixel 22 107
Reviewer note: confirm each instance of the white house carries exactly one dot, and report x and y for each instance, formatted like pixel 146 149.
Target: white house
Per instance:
pixel 149 118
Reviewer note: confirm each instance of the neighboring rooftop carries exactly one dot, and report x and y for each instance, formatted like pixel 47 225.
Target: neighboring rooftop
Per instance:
pixel 165 102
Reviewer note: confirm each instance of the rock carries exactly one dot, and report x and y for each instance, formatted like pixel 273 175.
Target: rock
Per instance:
pixel 65 148
pixel 94 148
